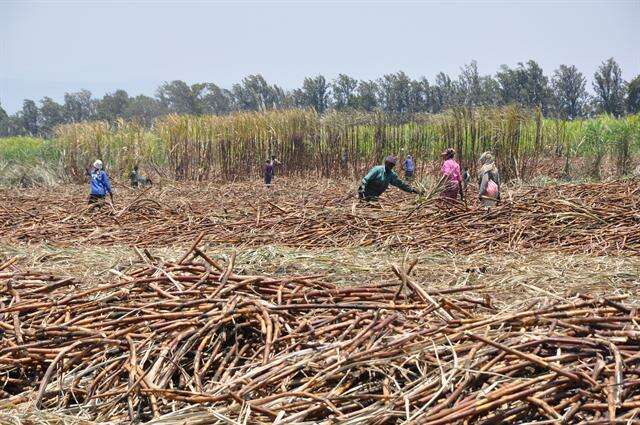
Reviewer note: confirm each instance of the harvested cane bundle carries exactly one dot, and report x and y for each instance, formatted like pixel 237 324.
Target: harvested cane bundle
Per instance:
pixel 591 218
pixel 165 337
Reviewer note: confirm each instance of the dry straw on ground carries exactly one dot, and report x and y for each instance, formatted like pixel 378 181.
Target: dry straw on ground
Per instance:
pixel 166 335
pixel 302 305
pixel 597 218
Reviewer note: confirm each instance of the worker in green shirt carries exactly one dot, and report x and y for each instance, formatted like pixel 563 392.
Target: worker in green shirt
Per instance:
pixel 138 180
pixel 378 180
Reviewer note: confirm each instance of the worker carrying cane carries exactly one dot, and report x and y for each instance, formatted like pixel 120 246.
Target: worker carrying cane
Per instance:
pixel 378 180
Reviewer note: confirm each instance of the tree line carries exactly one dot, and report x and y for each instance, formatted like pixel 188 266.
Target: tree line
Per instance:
pixel 563 95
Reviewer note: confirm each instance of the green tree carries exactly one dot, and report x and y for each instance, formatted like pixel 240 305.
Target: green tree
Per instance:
pixel 178 97
pixel 315 93
pixel 609 88
pixel 344 91
pixel 489 91
pixel 145 109
pixel 569 92
pixel 470 85
pixel 536 91
pixel 366 97
pixel 3 114
pixel 51 115
pixel 79 106
pixel 475 89
pixel 113 106
pixel 444 93
pixel 12 126
pixel 216 100
pixel 255 94
pixel 525 85
pixel 30 117
pixel 510 83
pixel 633 96
pixel 394 93
pixel 4 122
pixel 419 96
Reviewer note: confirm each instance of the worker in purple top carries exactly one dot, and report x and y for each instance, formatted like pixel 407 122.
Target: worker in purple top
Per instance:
pixel 409 167
pixel 268 171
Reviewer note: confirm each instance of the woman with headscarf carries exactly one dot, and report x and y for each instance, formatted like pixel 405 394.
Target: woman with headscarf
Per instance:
pixel 453 178
pixel 489 180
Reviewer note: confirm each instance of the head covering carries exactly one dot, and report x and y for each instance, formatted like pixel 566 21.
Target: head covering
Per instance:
pixel 486 164
pixel 390 159
pixel 449 153
pixel 97 164
pixel 485 158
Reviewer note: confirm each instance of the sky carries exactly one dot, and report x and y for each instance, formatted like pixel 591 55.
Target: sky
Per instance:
pixel 48 48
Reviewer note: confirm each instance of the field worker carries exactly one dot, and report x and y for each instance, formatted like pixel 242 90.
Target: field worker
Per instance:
pixel 378 180
pixel 465 179
pixel 267 171
pixel 344 159
pixel 138 180
pixel 274 162
pixel 409 167
pixel 453 178
pixel 100 184
pixel 489 180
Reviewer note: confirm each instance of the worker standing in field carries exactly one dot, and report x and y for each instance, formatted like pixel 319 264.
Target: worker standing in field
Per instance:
pixel 268 172
pixel 453 178
pixel 409 167
pixel 274 162
pixel 344 160
pixel 100 184
pixel 378 180
pixel 488 180
pixel 138 180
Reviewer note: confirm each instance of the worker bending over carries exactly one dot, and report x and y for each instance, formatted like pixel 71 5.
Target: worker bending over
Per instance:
pixel 138 179
pixel 378 180
pixel 488 180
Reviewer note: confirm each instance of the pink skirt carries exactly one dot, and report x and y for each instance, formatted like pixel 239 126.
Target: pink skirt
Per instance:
pixel 451 190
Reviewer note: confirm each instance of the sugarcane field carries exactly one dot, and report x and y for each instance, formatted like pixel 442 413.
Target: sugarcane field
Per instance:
pixel 228 300
pixel 421 213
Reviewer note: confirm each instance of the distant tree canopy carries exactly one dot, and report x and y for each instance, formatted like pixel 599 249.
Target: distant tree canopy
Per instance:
pixel 609 87
pixel 633 96
pixel 561 95
pixel 568 92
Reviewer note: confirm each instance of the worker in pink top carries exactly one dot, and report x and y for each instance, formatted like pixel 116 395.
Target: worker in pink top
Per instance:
pixel 451 172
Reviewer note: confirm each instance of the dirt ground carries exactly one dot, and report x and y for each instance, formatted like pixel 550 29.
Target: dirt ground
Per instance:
pixel 54 230
pixel 541 246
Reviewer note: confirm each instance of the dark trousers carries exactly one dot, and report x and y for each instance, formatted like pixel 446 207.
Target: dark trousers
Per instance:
pixel 96 200
pixel 367 197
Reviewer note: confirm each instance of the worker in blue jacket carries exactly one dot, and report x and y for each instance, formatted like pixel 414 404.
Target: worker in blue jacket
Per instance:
pixel 100 184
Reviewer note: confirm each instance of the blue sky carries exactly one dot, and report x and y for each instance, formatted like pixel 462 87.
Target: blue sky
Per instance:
pixel 49 48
